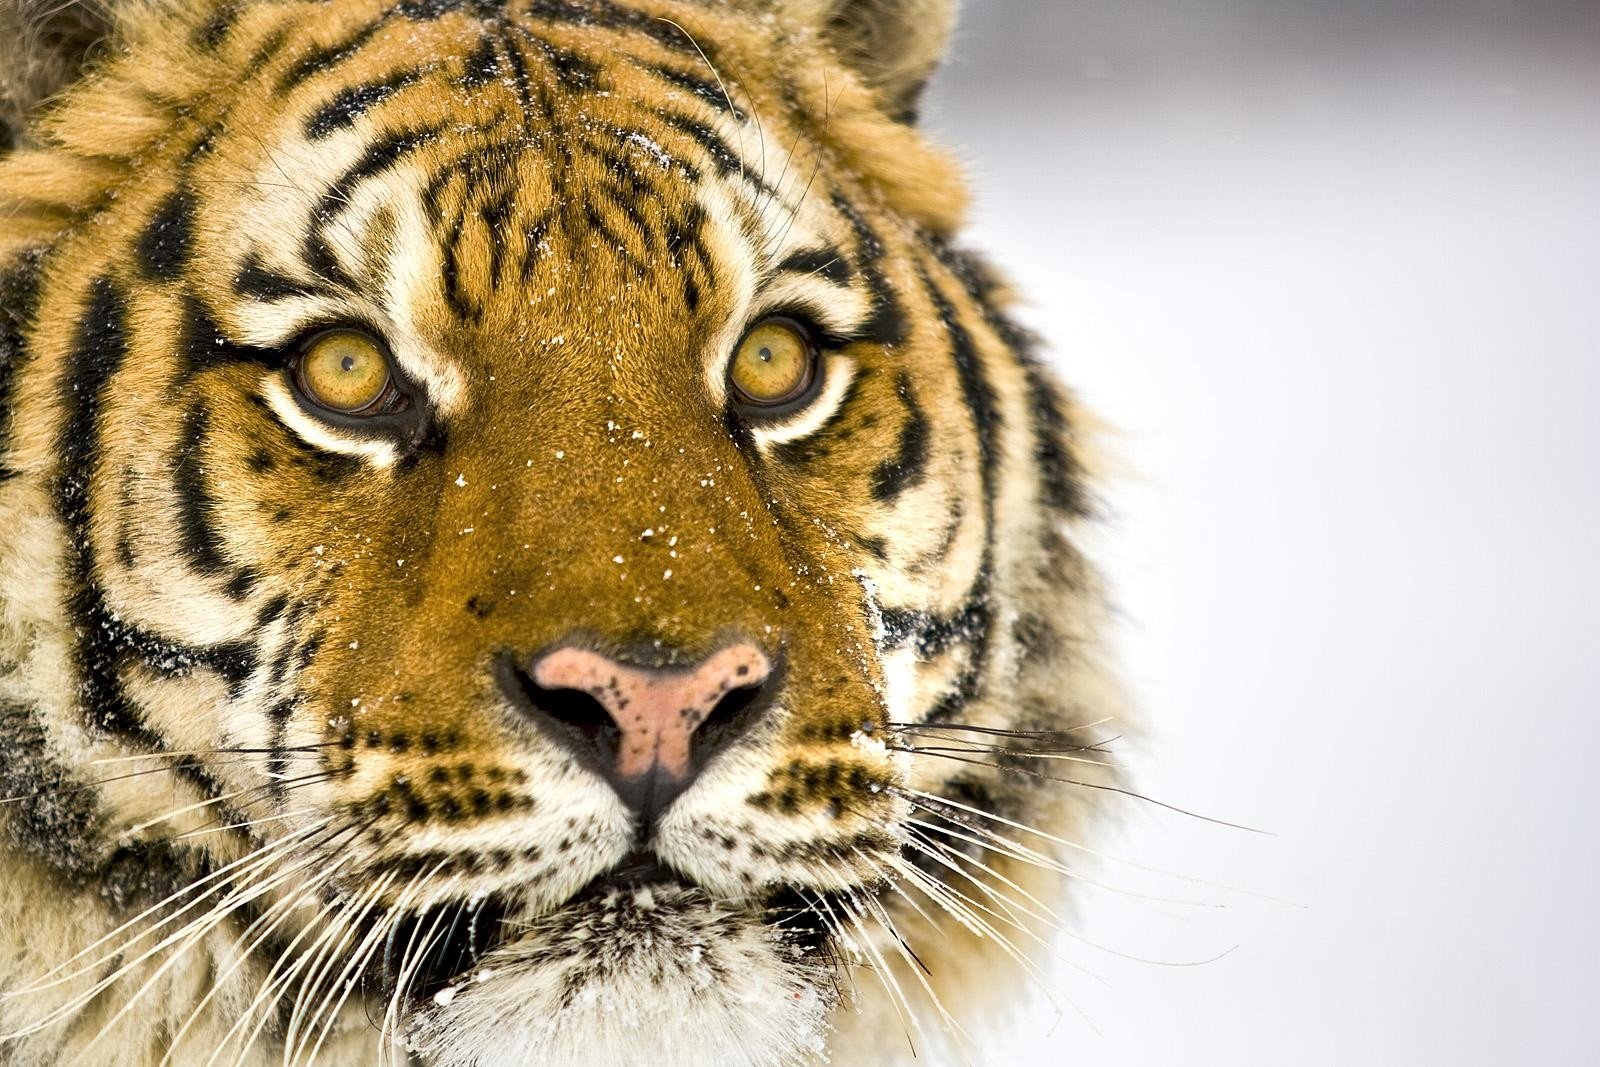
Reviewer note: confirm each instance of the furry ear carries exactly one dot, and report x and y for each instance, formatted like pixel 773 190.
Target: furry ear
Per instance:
pixel 894 45
pixel 44 47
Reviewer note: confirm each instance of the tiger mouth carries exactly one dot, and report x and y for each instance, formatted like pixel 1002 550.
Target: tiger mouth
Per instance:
pixel 457 938
pixel 640 869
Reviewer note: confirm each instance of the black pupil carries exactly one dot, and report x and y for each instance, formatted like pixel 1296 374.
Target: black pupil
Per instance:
pixel 765 354
pixel 347 363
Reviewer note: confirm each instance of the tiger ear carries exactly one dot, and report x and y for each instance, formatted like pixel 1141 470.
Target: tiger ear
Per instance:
pixel 45 46
pixel 894 45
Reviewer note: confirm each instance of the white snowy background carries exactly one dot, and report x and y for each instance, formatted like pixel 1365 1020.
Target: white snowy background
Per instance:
pixel 1333 270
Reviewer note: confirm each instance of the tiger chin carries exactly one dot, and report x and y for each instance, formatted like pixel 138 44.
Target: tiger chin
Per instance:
pixel 526 541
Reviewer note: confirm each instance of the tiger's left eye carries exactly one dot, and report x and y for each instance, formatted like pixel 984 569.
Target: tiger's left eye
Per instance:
pixel 348 373
pixel 775 364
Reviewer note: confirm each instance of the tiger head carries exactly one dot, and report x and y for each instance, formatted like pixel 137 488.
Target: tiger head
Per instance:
pixel 523 530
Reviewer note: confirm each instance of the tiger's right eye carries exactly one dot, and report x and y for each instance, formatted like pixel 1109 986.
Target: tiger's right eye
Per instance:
pixel 347 372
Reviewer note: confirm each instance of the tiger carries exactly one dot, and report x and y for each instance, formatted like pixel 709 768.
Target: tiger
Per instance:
pixel 529 539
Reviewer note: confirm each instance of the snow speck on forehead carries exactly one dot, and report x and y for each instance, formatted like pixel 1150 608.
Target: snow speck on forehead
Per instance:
pixel 655 150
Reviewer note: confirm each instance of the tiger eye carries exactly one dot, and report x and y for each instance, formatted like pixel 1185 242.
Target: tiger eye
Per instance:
pixel 773 364
pixel 345 371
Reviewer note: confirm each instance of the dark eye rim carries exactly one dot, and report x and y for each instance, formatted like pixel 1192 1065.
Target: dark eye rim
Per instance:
pixel 393 407
pixel 754 410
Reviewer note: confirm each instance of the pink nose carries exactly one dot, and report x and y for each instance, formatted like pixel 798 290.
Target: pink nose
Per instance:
pixel 656 711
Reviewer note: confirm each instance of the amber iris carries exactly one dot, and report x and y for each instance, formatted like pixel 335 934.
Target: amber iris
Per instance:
pixel 345 371
pixel 774 364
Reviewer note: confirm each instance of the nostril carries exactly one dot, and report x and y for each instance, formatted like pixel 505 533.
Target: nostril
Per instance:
pixel 571 717
pixel 729 720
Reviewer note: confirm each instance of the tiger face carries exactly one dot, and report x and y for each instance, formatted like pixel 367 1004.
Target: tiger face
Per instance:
pixel 558 543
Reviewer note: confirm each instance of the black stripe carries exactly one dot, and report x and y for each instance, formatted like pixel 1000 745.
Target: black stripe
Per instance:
pixel 627 146
pixel 595 221
pixel 272 610
pixel 496 217
pixel 460 302
pixel 887 326
pixel 1062 476
pixel 975 389
pixel 53 816
pixel 379 157
pixel 983 405
pixel 214 30
pixel 475 166
pixel 576 73
pixel 278 666
pixel 628 207
pixel 683 233
pixel 906 469
pixel 324 58
pixel 524 87
pixel 201 147
pixel 708 91
pixel 532 241
pixel 1063 487
pixel 258 282
pixel 235 661
pixel 932 635
pixel 319 257
pixel 202 345
pixel 603 14
pixel 825 263
pixel 266 53
pixel 482 64
pixel 428 10
pixel 163 249
pixel 352 102
pixel 57 818
pixel 243 583
pixel 325 467
pixel 725 158
pixel 19 299
pixel 277 765
pixel 97 355
pixel 201 541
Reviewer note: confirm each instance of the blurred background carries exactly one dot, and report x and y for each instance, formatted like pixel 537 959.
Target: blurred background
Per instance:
pixel 1332 272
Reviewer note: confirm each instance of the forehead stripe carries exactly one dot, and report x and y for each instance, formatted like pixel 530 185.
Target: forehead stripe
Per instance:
pixel 602 14
pixel 710 93
pixel 323 59
pixel 257 282
pixel 351 102
pixel 164 247
pixel 482 64
pixel 575 72
pixel 826 263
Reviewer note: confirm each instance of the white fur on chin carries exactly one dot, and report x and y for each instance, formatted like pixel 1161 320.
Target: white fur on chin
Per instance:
pixel 659 971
